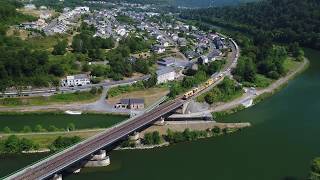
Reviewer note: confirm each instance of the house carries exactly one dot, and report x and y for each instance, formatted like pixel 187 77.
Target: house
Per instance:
pixel 203 60
pixel 165 75
pixel 218 43
pixel 182 42
pixel 130 104
pixel 215 53
pixel 165 44
pixel 158 49
pixel 169 61
pixel 30 6
pixel 76 80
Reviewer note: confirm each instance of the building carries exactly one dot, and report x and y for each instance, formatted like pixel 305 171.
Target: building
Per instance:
pixel 30 6
pixel 76 80
pixel 218 43
pixel 169 61
pixel 165 75
pixel 130 104
pixel 203 60
pixel 158 49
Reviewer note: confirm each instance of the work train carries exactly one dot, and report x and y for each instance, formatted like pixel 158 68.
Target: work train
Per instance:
pixel 202 87
pixel 211 81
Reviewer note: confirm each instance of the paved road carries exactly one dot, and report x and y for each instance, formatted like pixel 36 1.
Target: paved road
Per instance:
pixel 41 91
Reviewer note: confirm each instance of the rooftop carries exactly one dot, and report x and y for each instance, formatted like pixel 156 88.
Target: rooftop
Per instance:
pixel 132 101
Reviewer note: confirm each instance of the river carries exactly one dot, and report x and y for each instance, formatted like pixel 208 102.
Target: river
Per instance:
pixel 280 145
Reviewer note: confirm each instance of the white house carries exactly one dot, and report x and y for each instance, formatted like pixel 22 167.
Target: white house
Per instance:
pixel 75 80
pixel 158 49
pixel 203 60
pixel 30 6
pixel 165 75
pixel 121 31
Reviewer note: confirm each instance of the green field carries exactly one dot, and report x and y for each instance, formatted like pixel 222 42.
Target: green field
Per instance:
pixel 55 99
pixel 17 122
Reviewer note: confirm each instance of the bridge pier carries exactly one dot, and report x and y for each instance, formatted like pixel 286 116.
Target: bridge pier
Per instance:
pixel 57 177
pixel 160 122
pixel 98 160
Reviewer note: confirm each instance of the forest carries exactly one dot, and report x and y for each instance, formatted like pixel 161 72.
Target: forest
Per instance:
pixel 268 32
pixel 283 21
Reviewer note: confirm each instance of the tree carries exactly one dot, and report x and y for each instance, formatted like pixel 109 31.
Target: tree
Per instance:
pixel 11 144
pixel 141 66
pixel 209 98
pixel 156 137
pixel 57 70
pixel 151 82
pixel 53 128
pixel 60 48
pixel 26 144
pixel 98 71
pixel 175 89
pixel 39 128
pixel 26 129
pixel 148 138
pixel 315 169
pixel 71 127
pixel 63 142
pixel 216 130
pixel 7 130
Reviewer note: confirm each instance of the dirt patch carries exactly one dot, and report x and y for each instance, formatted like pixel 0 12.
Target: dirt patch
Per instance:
pixel 201 126
pixel 23 34
pixel 150 96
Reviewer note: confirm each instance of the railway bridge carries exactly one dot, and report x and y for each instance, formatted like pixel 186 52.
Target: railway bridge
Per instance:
pixel 56 164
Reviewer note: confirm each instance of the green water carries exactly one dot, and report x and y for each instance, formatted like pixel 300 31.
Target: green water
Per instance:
pixel 85 121
pixel 281 143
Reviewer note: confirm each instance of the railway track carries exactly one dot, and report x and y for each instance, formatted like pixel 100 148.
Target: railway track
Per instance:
pixel 50 167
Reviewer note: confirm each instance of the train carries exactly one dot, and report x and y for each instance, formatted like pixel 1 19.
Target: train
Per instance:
pixel 202 87
pixel 212 80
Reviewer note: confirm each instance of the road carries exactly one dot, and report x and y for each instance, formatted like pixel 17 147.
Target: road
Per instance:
pixel 56 163
pixel 42 91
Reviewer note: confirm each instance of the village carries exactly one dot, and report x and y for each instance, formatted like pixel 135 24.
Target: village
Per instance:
pixel 177 46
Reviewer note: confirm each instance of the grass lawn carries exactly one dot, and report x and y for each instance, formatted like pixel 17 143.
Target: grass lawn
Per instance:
pixel 290 64
pixel 45 43
pixel 44 140
pixel 225 98
pixel 55 99
pixel 150 96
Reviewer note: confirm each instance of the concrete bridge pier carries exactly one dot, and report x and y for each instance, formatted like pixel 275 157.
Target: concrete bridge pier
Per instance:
pixel 57 177
pixel 160 122
pixel 98 160
pixel 74 169
pixel 183 108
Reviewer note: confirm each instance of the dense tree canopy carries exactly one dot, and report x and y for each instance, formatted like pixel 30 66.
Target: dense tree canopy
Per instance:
pixel 284 21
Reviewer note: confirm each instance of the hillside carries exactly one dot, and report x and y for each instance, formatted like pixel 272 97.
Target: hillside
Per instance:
pixel 207 3
pixel 9 15
pixel 285 21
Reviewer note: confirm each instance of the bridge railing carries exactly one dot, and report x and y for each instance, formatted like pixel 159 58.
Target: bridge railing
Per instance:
pixel 16 173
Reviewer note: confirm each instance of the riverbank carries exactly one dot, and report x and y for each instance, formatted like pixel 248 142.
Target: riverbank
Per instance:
pixel 259 95
pixel 173 132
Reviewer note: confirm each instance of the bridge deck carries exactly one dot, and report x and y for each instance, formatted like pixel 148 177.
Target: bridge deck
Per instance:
pixel 47 168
